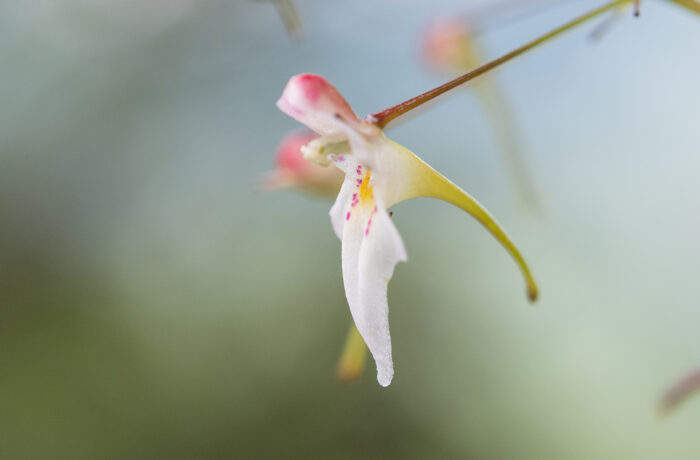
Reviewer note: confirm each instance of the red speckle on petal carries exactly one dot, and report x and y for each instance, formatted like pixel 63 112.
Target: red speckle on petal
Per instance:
pixel 369 221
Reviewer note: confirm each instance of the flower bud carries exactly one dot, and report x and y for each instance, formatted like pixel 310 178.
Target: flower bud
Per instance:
pixel 449 45
pixel 311 100
pixel 293 170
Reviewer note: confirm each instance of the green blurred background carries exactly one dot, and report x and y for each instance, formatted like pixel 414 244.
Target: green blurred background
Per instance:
pixel 154 305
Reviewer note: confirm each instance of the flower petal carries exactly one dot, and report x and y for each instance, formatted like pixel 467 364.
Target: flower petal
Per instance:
pixel 413 178
pixel 311 100
pixel 371 249
pixel 341 206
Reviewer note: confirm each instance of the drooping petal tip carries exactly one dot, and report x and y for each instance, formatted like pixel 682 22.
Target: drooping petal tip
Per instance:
pixel 532 291
pixel 384 376
pixel 381 249
pixel 311 100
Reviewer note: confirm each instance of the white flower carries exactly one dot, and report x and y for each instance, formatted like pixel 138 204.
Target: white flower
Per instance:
pixel 378 174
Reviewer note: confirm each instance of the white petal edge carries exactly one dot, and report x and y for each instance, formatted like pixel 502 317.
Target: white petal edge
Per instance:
pixel 341 206
pixel 368 263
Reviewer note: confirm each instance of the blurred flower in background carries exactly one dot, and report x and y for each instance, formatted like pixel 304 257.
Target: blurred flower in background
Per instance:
pixel 294 171
pixel 450 46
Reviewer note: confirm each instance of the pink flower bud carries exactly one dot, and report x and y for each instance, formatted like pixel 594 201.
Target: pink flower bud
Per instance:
pixel 289 157
pixel 311 100
pixel 293 170
pixel 448 45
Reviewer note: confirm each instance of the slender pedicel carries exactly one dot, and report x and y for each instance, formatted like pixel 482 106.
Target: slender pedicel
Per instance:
pixel 692 5
pixel 450 45
pixel 385 116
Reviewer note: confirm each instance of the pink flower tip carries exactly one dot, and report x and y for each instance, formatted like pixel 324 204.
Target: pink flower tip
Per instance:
pixel 311 100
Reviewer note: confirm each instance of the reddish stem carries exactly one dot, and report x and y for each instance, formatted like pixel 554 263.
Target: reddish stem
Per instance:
pixel 385 116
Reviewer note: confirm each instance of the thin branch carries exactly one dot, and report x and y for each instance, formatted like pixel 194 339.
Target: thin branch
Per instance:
pixel 385 116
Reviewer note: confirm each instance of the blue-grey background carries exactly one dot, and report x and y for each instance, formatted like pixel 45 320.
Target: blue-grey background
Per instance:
pixel 154 305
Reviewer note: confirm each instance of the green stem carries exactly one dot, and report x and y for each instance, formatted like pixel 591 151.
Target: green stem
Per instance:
pixel 383 118
pixel 692 5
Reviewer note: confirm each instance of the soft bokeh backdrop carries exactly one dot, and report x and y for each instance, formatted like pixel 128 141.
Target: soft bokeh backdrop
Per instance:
pixel 153 304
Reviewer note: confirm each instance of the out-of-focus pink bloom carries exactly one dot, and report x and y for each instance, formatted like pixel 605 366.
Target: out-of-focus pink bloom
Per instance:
pixel 293 170
pixel 449 45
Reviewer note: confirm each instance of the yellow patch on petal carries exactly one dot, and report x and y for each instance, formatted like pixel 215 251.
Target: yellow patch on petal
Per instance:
pixel 366 189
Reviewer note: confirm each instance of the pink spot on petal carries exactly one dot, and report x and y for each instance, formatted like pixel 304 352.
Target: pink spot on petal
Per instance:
pixel 355 200
pixel 312 86
pixel 347 216
pixel 369 221
pixel 307 96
